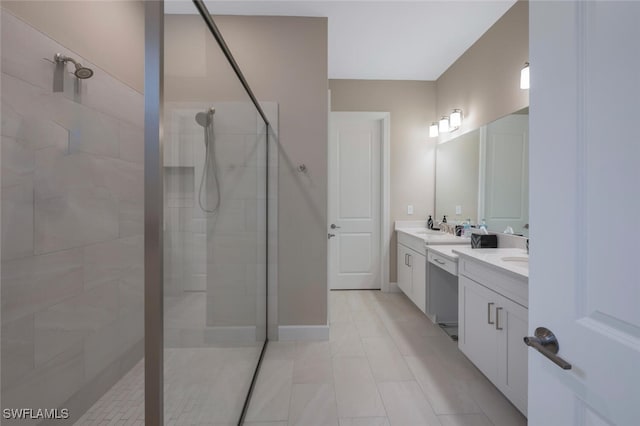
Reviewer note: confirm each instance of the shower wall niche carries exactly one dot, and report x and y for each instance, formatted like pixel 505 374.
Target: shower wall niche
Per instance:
pixel 72 228
pixel 215 263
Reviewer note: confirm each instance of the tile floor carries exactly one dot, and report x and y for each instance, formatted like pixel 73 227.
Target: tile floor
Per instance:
pixel 385 364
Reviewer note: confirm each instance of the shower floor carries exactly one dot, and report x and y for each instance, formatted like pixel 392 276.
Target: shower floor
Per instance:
pixel 203 386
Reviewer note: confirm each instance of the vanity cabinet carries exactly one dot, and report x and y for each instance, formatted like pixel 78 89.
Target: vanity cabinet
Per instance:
pixel 491 328
pixel 412 275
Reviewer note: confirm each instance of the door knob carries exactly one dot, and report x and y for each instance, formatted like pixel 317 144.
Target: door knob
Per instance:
pixel 329 236
pixel 334 226
pixel 547 344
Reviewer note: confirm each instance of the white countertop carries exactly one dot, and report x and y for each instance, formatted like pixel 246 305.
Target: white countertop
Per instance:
pixel 495 257
pixel 429 236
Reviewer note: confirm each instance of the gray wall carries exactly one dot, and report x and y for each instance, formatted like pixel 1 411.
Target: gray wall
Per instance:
pixel 485 81
pixel 285 61
pixel 411 104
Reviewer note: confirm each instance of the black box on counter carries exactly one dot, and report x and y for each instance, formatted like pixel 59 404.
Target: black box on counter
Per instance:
pixel 484 241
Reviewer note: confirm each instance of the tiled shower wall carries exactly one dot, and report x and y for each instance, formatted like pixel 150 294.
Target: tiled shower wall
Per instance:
pixel 215 264
pixel 72 228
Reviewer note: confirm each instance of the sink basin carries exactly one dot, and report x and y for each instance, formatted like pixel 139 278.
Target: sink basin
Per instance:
pixel 519 260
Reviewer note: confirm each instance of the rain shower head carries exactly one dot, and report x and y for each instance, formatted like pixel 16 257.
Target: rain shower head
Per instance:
pixel 205 118
pixel 83 72
pixel 80 72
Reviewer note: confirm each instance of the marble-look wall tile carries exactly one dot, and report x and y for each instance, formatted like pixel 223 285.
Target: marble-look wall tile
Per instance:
pixel 17 220
pixel 18 161
pixel 87 312
pixel 18 350
pixel 131 140
pixel 73 176
pixel 130 218
pixel 112 260
pixel 27 54
pixel 32 284
pixel 82 217
pixel 49 385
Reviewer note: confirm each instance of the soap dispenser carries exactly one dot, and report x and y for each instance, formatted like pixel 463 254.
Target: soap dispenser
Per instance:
pixel 430 223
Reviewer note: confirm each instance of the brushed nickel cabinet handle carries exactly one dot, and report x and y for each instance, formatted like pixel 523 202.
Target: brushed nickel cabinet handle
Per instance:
pixel 489 305
pixel 498 309
pixel 438 261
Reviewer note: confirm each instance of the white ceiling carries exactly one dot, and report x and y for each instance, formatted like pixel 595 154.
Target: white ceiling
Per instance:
pixel 382 40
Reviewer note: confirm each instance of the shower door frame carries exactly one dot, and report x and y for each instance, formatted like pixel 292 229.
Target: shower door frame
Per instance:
pixel 154 207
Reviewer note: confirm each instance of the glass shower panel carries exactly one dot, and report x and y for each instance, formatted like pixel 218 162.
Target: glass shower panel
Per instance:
pixel 72 268
pixel 215 174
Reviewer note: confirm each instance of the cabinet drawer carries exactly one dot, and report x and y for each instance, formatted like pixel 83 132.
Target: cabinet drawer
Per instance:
pixel 442 262
pixel 516 289
pixel 412 242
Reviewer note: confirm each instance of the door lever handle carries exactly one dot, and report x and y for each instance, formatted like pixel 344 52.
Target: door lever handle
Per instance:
pixel 330 236
pixel 547 344
pixel 334 226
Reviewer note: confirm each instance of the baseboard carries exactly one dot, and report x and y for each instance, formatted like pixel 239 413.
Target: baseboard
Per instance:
pixel 393 288
pixel 205 337
pixel 303 332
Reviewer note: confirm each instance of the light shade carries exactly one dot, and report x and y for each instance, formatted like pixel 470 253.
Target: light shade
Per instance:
pixel 455 119
pixel 524 76
pixel 443 125
pixel 433 130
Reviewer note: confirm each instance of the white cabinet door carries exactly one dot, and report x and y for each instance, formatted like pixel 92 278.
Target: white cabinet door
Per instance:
pixel 404 271
pixel 418 279
pixel 511 321
pixel 477 337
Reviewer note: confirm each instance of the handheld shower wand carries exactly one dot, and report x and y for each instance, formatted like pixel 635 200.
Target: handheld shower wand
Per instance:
pixel 205 119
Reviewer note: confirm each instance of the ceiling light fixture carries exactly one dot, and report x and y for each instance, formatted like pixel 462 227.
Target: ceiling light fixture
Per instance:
pixel 443 125
pixel 455 119
pixel 433 130
pixel 524 76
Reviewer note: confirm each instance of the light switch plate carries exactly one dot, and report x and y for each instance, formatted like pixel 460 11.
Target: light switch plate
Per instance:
pixel 410 209
pixel 458 209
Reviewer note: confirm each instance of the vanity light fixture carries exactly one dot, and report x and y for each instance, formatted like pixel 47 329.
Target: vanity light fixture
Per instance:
pixel 443 125
pixel 455 119
pixel 524 76
pixel 433 130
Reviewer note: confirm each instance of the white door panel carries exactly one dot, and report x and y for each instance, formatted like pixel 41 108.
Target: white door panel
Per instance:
pixel 355 145
pixel 585 177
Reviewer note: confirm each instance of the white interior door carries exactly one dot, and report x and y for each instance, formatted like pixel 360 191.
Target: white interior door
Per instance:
pixel 355 141
pixel 585 203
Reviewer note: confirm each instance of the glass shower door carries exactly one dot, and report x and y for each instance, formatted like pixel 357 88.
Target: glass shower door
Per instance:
pixel 215 228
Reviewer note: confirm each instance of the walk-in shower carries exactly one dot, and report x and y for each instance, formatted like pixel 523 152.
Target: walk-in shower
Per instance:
pixel 205 119
pixel 137 221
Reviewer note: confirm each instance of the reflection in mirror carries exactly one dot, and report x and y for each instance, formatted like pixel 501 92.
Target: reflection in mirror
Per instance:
pixel 484 175
pixel 504 195
pixel 457 177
